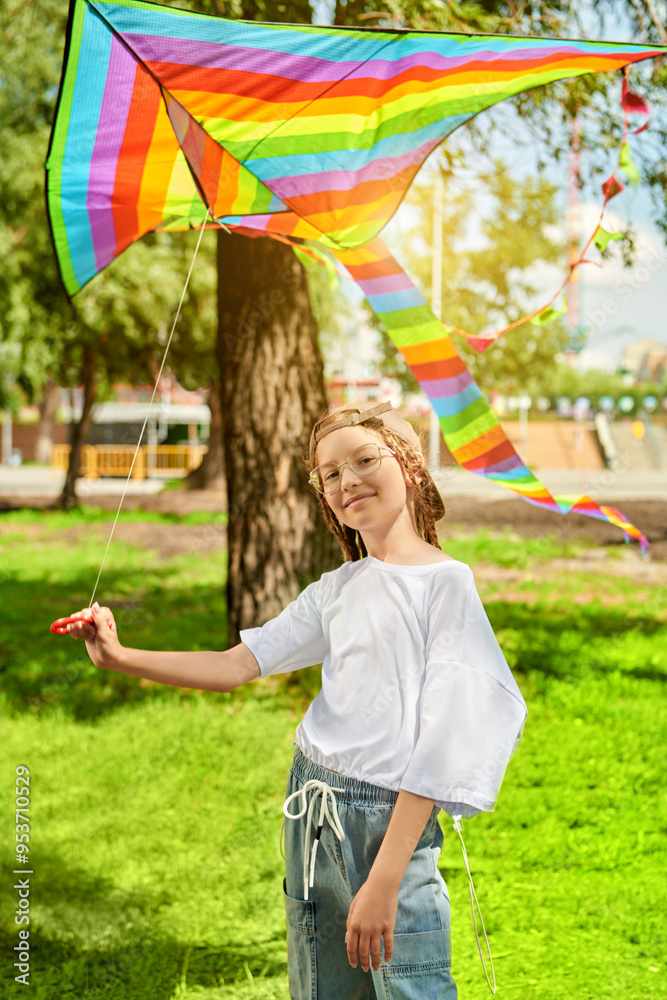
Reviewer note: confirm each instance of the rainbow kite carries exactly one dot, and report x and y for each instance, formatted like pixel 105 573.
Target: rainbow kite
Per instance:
pixel 295 132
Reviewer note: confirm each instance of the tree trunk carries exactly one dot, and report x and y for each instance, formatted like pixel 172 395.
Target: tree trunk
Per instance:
pixel 48 405
pixel 272 392
pixel 211 473
pixel 68 497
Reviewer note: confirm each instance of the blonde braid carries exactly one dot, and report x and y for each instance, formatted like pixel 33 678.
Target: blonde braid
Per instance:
pixel 413 463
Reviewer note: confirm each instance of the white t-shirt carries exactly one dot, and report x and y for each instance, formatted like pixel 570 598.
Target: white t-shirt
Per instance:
pixel 416 693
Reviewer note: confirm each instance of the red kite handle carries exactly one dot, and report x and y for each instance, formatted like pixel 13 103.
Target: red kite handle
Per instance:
pixel 59 626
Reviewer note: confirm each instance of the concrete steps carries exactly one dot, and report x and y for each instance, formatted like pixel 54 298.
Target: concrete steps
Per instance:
pixel 552 444
pixel 645 455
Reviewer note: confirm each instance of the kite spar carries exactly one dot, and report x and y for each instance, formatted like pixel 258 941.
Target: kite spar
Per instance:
pixel 296 132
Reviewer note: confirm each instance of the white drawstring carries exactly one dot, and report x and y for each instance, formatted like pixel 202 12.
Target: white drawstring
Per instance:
pixel 473 900
pixel 325 791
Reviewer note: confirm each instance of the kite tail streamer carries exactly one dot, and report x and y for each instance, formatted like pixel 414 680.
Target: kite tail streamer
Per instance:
pixel 471 430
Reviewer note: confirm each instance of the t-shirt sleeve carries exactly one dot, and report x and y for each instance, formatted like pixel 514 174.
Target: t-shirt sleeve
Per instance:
pixel 294 639
pixel 472 711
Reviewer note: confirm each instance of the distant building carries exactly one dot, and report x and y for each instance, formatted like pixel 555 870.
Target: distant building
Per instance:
pixel 340 389
pixel 646 360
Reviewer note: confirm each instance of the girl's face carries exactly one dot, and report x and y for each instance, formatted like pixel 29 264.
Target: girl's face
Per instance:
pixel 387 493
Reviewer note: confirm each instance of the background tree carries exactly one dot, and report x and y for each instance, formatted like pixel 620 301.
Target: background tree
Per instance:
pixel 124 317
pixel 539 126
pixel 113 329
pixel 272 391
pixel 34 315
pixel 110 331
pixel 497 230
pixel 544 115
pixel 193 355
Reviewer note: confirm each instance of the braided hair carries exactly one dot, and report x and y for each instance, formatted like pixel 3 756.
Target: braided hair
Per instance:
pixel 426 511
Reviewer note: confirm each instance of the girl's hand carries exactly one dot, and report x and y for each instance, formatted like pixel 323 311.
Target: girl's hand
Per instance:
pixel 100 635
pixel 372 916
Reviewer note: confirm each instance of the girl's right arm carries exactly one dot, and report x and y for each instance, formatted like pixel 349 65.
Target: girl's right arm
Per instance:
pixel 205 670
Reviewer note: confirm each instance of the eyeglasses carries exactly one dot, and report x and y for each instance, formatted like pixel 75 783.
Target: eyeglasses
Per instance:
pixel 364 460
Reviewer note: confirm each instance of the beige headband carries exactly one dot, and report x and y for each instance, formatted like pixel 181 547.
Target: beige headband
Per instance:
pixel 359 413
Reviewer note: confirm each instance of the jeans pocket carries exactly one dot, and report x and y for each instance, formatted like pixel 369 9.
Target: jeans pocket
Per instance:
pixel 419 968
pixel 301 964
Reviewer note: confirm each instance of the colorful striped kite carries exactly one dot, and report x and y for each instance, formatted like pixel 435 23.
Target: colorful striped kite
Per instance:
pixel 297 132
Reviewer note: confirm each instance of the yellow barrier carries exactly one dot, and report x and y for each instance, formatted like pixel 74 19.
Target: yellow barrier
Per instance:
pixel 60 456
pixel 116 460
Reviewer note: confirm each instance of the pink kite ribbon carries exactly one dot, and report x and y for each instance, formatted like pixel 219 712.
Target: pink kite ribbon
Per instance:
pixel 611 187
pixel 635 104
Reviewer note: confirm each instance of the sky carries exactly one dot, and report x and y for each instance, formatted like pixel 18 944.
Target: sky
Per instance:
pixel 618 305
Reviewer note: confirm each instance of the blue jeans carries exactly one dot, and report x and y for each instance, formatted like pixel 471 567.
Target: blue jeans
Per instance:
pixel 318 965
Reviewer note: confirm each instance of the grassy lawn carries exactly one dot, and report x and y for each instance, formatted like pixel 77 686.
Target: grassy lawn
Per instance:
pixel 156 812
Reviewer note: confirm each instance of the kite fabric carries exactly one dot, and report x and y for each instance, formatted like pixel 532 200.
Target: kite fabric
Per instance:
pixel 297 132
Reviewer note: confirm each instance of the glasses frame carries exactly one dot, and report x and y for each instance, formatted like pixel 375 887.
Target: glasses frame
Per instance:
pixel 380 447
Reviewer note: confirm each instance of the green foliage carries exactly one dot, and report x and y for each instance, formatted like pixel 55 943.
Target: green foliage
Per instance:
pixel 563 380
pixel 33 310
pixel 332 305
pixel 429 15
pixel 125 314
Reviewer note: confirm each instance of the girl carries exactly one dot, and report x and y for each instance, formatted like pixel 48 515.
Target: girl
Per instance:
pixel 418 712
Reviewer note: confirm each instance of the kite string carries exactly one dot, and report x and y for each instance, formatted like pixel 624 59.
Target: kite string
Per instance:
pixel 157 382
pixel 475 902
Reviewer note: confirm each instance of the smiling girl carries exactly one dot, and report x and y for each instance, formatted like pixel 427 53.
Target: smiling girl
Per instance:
pixel 418 712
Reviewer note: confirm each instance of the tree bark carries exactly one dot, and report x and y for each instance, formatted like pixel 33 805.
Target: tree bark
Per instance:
pixel 272 392
pixel 68 497
pixel 211 473
pixel 48 405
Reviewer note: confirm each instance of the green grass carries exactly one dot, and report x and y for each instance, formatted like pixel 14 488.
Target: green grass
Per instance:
pixel 160 606
pixel 156 812
pixel 152 839
pixel 54 521
pixel 508 549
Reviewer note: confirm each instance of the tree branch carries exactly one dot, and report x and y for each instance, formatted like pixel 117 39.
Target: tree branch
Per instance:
pixel 654 17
